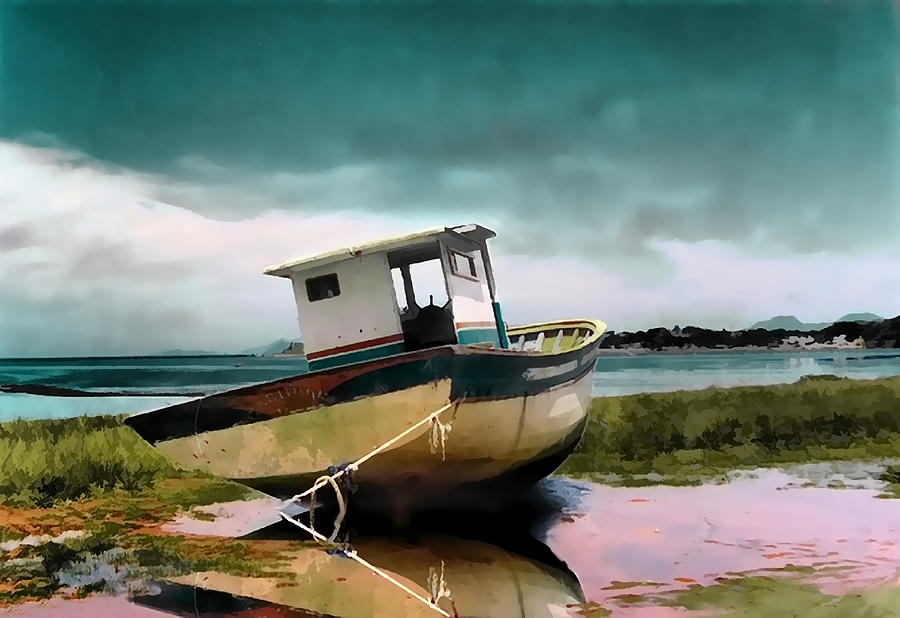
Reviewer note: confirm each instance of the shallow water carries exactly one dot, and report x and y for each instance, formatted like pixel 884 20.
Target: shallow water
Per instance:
pixel 642 373
pixel 668 535
pixel 584 542
pixel 615 374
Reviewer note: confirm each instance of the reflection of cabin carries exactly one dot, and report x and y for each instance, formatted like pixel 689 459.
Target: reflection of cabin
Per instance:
pixel 397 295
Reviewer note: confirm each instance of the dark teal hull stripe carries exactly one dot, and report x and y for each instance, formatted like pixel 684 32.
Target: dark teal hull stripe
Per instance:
pixel 357 356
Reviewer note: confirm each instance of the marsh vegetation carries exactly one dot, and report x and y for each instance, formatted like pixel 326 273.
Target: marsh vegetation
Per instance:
pixel 690 436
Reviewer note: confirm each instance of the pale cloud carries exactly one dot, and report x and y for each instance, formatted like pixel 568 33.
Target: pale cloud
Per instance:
pixel 110 270
pixel 708 283
pixel 93 261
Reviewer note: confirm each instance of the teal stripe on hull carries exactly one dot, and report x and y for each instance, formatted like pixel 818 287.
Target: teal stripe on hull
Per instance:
pixel 478 335
pixel 357 357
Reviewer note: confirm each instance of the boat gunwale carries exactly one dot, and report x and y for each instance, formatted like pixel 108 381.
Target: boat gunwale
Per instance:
pixel 597 329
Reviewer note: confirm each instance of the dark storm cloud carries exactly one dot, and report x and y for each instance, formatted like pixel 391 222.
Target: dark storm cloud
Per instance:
pixel 609 122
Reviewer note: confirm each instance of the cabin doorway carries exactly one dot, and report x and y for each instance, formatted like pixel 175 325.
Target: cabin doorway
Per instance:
pixel 424 307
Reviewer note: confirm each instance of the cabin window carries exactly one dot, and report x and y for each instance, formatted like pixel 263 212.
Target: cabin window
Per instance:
pixel 320 288
pixel 462 265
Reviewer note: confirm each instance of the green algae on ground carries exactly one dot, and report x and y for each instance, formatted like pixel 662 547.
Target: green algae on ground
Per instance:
pixel 591 609
pixel 33 572
pixel 617 585
pixel 762 596
pixel 891 477
pixel 95 480
pixel 124 522
pixel 688 437
pixel 758 596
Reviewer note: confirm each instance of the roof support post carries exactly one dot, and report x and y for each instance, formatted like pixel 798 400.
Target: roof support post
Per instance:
pixel 408 290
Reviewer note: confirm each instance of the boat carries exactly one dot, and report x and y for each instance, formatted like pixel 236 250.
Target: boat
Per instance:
pixel 478 579
pixel 511 402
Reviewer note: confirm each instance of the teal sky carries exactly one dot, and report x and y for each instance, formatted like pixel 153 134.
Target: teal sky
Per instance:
pixel 652 162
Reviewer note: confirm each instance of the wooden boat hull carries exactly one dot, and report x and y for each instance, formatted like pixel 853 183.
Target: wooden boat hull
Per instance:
pixel 515 415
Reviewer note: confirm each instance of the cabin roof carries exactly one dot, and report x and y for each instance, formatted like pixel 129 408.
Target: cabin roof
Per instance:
pixel 425 237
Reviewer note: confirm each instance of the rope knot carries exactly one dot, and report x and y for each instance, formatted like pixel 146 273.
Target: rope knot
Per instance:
pixel 438 436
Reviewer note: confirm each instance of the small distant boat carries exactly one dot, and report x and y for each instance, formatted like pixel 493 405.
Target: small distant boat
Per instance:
pixel 381 358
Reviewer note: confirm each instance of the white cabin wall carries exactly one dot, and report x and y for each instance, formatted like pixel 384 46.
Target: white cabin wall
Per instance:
pixel 364 310
pixel 471 300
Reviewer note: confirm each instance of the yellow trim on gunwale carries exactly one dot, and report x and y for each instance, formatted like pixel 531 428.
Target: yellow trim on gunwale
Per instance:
pixel 595 327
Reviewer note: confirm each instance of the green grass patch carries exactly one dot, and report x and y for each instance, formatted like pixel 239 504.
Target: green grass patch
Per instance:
pixel 763 596
pixel 891 477
pixel 36 572
pixel 758 596
pixel 44 461
pixel 688 436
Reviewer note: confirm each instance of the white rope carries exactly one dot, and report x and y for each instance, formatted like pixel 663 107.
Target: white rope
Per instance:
pixel 354 556
pixel 342 506
pixel 439 433
pixel 353 467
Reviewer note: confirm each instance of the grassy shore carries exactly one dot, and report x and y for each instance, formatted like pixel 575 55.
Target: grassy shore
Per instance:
pixel 88 490
pixel 50 460
pixel 690 436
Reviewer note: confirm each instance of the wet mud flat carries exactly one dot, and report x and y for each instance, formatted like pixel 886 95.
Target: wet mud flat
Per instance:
pixel 813 539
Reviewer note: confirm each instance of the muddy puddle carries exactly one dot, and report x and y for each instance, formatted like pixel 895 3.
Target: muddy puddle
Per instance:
pixel 573 549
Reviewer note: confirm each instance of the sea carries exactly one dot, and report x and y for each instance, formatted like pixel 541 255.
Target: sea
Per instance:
pixel 150 382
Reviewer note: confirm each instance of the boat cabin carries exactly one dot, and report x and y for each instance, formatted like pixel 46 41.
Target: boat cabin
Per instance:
pixel 398 295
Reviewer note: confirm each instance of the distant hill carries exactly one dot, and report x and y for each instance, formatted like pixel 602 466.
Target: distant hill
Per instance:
pixel 844 333
pixel 180 352
pixel 276 347
pixel 860 317
pixel 790 322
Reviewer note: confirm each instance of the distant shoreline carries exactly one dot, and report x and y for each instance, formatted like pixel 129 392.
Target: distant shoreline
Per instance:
pixel 684 351
pixel 130 356
pixel 59 391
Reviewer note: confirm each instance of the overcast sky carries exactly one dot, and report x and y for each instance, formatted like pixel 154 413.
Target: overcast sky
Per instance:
pixel 647 163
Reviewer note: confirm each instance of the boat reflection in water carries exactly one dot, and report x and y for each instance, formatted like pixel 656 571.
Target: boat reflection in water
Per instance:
pixel 482 579
pixel 490 561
